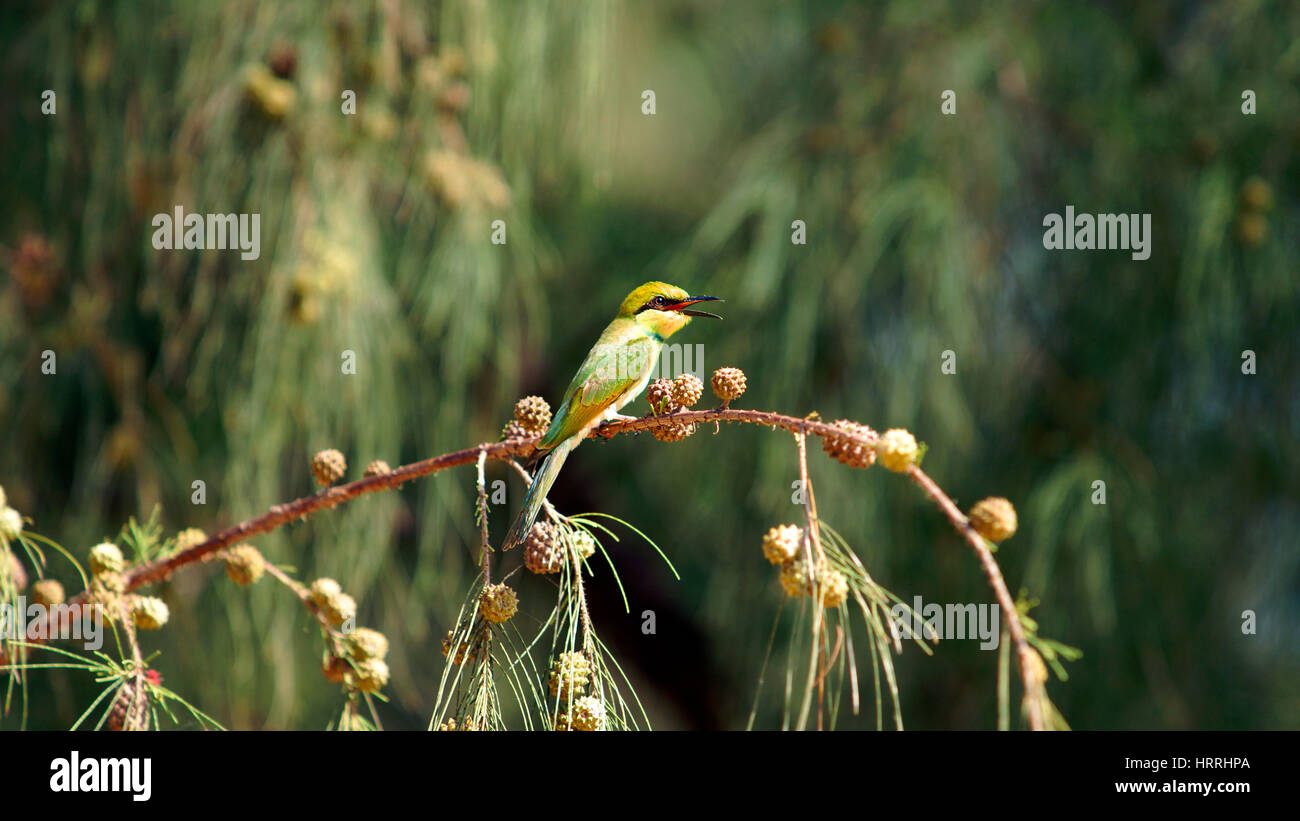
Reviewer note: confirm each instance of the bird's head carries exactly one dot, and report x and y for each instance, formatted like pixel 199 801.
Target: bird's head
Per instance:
pixel 663 308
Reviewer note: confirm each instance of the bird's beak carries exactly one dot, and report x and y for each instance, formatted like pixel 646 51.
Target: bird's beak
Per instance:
pixel 681 305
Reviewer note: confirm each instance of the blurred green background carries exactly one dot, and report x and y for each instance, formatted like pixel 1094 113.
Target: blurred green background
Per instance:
pixel 924 234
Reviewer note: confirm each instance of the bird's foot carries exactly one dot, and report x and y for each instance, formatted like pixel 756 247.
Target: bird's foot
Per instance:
pixel 602 429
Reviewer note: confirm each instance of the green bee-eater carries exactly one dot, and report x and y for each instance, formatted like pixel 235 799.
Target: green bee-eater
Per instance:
pixel 614 373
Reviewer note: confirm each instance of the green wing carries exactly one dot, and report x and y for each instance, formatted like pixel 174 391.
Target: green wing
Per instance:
pixel 622 357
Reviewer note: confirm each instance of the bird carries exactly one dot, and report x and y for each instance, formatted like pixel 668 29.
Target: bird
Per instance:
pixel 616 371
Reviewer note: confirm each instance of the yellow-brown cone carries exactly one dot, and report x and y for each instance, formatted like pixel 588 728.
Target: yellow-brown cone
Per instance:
pixel 514 430
pixel 660 396
pixel 244 564
pixel 149 612
pixel 48 593
pixel 728 383
pixel 463 650
pixel 587 714
pixel 851 451
pixel 687 390
pixel 835 589
pixel 897 449
pixel 543 551
pixel 533 414
pixel 994 518
pixel 498 603
pixel 782 543
pixel 106 558
pixel 364 643
pixel 674 431
pixel 328 466
pixel 797 577
pixel 369 675
pixel 570 674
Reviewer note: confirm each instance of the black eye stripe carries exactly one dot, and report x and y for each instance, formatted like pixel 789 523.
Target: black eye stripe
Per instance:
pixel 651 303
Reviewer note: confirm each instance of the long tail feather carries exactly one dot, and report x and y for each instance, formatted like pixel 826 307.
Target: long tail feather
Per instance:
pixel 542 481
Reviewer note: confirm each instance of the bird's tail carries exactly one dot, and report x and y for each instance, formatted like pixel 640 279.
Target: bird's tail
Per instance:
pixel 542 481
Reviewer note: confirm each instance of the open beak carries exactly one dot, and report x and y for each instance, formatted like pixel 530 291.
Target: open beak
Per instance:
pixel 681 305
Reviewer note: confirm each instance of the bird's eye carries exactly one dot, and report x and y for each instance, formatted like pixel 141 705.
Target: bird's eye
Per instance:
pixel 659 300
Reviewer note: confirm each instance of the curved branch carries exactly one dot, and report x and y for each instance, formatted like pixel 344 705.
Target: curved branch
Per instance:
pixel 279 515
pixel 994 574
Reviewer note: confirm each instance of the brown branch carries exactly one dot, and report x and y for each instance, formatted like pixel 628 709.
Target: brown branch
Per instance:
pixel 809 501
pixel 279 515
pixel 814 538
pixel 793 424
pixel 486 561
pixel 303 595
pixel 481 486
pixel 991 570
